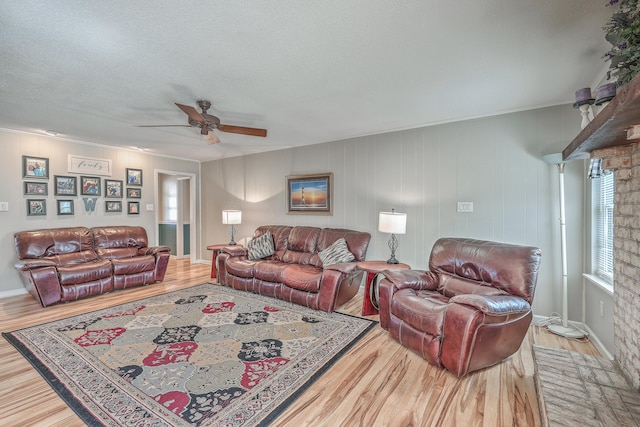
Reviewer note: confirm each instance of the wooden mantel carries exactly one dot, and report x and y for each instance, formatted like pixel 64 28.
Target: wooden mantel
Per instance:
pixel 609 127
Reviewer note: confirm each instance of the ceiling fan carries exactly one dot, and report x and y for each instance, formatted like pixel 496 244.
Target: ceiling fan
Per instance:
pixel 207 123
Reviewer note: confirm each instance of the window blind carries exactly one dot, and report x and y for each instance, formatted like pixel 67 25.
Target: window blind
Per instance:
pixel 602 199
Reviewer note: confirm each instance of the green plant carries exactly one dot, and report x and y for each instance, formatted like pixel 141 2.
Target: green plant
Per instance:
pixel 623 32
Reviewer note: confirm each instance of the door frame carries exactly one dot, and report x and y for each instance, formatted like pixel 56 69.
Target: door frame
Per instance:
pixel 192 208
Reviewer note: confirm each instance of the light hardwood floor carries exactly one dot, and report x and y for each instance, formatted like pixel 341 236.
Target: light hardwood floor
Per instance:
pixel 377 383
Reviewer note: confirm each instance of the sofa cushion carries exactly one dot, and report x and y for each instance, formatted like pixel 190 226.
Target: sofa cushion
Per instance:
pixel 91 271
pixel 269 270
pixel 261 247
pixel 138 264
pixel 240 267
pixel 51 242
pixel 336 253
pixel 357 241
pixel 302 277
pixel 116 253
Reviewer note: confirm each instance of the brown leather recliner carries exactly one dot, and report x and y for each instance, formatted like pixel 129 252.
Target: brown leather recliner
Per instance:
pixel 470 311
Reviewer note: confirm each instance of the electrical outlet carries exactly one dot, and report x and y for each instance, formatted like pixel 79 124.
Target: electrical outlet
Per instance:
pixel 4 206
pixel 465 206
pixel 150 207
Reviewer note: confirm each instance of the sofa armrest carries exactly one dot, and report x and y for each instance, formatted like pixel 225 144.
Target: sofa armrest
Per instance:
pixel 413 279
pixel 153 250
pixel 30 264
pixel 235 250
pixel 343 267
pixel 496 305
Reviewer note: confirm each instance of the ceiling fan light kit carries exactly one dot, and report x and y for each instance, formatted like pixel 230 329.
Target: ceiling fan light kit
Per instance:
pixel 208 123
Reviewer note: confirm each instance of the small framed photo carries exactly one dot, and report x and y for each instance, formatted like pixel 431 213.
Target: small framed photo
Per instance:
pixel 36 188
pixel 112 188
pixel 133 208
pixel 35 167
pixel 310 194
pixel 113 206
pixel 65 207
pixel 90 185
pixel 134 176
pixel 134 193
pixel 36 207
pixel 65 185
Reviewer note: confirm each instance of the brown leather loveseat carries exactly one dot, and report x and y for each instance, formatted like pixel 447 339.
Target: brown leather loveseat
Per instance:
pixel 470 311
pixel 295 271
pixel 66 264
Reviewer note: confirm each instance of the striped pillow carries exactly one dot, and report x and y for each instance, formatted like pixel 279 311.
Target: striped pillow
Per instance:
pixel 261 246
pixel 336 253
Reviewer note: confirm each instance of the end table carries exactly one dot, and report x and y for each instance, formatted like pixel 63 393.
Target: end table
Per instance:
pixel 373 268
pixel 216 251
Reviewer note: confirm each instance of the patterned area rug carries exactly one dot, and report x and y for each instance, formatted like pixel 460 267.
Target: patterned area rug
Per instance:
pixel 202 356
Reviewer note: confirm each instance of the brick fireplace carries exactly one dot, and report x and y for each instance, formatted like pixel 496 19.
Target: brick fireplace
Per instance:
pixel 625 163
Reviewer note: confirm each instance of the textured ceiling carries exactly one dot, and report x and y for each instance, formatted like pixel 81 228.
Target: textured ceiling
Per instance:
pixel 309 72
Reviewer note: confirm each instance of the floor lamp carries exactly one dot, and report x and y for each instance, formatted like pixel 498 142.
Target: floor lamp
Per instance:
pixel 564 330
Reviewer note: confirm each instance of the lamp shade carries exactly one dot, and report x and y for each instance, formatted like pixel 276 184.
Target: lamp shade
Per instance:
pixel 392 222
pixel 232 217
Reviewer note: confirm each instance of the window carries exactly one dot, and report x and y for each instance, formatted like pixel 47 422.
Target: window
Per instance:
pixel 602 203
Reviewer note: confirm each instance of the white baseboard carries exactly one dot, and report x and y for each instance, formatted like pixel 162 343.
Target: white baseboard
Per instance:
pixel 542 320
pixel 13 293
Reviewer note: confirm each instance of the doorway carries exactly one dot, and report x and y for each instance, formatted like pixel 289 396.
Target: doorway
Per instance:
pixel 175 214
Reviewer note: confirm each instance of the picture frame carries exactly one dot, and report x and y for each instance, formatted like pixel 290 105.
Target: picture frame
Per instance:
pixel 36 207
pixel 65 185
pixel 113 206
pixel 65 207
pixel 90 185
pixel 134 177
pixel 36 188
pixel 35 167
pixel 113 188
pixel 133 208
pixel 134 193
pixel 88 165
pixel 310 194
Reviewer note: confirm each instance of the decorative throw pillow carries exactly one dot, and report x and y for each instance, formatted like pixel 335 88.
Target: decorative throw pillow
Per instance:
pixel 336 253
pixel 261 246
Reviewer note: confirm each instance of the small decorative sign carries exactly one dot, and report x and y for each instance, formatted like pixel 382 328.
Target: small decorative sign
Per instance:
pixel 79 164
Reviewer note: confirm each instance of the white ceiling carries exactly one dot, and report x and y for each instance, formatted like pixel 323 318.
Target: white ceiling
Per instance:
pixel 308 71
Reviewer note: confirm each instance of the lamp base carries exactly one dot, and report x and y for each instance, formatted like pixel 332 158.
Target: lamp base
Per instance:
pixel 567 332
pixel 393 260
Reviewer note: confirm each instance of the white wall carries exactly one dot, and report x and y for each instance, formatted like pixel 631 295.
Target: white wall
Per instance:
pixel 16 144
pixel 493 162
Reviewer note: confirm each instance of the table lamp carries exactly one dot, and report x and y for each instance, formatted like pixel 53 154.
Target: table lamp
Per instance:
pixel 232 217
pixel 393 223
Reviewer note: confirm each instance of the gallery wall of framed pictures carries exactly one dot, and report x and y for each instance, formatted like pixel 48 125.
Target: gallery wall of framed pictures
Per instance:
pixel 93 180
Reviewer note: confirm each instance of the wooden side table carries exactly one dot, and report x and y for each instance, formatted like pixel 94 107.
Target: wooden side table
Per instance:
pixel 216 251
pixel 373 268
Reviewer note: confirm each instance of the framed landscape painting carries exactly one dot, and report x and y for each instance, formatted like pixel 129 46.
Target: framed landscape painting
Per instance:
pixel 310 194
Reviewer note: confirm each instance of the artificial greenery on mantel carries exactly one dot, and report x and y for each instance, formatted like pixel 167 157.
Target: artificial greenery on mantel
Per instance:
pixel 623 32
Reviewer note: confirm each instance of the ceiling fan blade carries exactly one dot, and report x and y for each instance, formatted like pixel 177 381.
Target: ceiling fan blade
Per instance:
pixel 192 113
pixel 162 126
pixel 211 138
pixel 242 130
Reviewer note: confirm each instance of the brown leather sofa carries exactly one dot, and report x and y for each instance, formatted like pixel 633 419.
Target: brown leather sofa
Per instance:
pixel 66 264
pixel 470 311
pixel 295 272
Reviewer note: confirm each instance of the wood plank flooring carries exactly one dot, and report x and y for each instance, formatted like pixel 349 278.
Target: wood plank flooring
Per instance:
pixel 377 383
